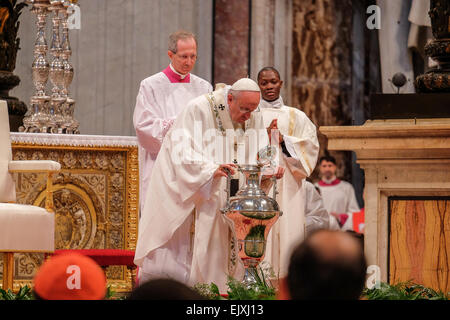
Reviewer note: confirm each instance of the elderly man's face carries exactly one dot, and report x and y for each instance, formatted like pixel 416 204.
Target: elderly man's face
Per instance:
pixel 184 60
pixel 327 169
pixel 243 105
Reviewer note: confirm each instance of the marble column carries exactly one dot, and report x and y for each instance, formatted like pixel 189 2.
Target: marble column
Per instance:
pixel 231 40
pixel 393 36
pixel 271 40
pixel 322 67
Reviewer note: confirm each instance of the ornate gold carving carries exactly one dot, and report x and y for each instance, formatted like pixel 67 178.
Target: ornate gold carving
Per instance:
pixel 95 199
pixel 132 188
pixel 27 264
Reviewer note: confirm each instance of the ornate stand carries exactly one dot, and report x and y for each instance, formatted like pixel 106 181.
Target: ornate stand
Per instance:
pixel 10 12
pixel 438 79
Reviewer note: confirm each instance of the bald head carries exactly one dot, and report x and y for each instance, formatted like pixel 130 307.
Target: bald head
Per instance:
pixel 327 265
pixel 332 245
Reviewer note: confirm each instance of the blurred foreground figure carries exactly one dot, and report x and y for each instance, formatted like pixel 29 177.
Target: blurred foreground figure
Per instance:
pixel 70 277
pixel 328 265
pixel 164 289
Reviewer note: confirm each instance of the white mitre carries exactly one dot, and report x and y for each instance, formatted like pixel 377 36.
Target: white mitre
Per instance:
pixel 245 84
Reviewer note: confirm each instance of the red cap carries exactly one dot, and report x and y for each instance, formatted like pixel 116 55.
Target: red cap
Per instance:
pixel 70 276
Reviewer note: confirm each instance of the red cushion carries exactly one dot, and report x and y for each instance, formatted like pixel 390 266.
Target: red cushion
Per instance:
pixel 105 257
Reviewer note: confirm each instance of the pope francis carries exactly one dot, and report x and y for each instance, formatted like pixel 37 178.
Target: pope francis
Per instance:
pixel 182 234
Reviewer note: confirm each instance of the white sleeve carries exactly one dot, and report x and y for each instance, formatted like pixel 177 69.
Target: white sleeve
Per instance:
pixel 352 203
pixel 316 216
pixel 352 207
pixel 303 145
pixel 148 122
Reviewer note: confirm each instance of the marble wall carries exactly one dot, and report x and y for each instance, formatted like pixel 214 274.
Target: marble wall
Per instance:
pixel 231 40
pixel 120 43
pixel 322 67
pixel 271 45
pixel 311 43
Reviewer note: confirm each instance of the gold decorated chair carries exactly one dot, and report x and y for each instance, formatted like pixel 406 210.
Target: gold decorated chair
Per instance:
pixel 23 228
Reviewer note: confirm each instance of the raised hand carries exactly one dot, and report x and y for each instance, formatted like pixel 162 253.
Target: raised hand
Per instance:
pixel 272 130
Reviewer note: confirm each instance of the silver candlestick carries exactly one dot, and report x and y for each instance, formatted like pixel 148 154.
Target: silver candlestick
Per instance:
pixel 53 113
pixel 70 123
pixel 56 73
pixel 37 116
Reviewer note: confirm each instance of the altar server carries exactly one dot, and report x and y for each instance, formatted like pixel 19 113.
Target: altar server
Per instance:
pixel 182 233
pixel 161 98
pixel 297 138
pixel 338 195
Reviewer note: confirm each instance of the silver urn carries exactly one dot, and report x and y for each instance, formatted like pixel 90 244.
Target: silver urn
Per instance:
pixel 252 214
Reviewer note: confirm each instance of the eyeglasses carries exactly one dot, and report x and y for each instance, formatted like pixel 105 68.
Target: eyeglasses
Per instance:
pixel 185 56
pixel 245 110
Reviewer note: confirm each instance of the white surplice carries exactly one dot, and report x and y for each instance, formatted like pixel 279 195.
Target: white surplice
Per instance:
pixel 300 137
pixel 339 197
pixel 180 191
pixel 158 103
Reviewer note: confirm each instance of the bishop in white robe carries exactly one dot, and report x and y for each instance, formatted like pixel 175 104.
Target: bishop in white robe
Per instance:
pixel 161 98
pixel 182 233
pixel 298 154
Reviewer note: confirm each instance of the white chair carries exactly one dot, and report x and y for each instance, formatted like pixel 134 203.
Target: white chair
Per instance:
pixel 23 228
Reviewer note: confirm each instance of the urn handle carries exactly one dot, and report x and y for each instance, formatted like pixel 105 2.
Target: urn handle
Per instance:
pixel 228 191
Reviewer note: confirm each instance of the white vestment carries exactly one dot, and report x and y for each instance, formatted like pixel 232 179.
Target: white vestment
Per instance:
pixel 300 137
pixel 158 103
pixel 316 216
pixel 182 189
pixel 339 197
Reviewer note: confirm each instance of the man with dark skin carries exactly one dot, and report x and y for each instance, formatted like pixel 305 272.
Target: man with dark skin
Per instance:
pixel 295 136
pixel 270 84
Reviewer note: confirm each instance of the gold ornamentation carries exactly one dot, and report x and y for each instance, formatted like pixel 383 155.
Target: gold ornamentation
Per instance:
pixel 95 199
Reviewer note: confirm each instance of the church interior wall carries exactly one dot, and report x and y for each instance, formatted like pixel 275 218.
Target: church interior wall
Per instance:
pixel 119 44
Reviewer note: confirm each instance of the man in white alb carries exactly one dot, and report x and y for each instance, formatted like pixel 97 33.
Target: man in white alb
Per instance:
pixel 299 147
pixel 338 196
pixel 161 98
pixel 182 233
pixel 297 139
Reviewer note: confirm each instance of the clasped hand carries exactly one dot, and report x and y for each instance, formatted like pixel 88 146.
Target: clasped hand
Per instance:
pixel 272 129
